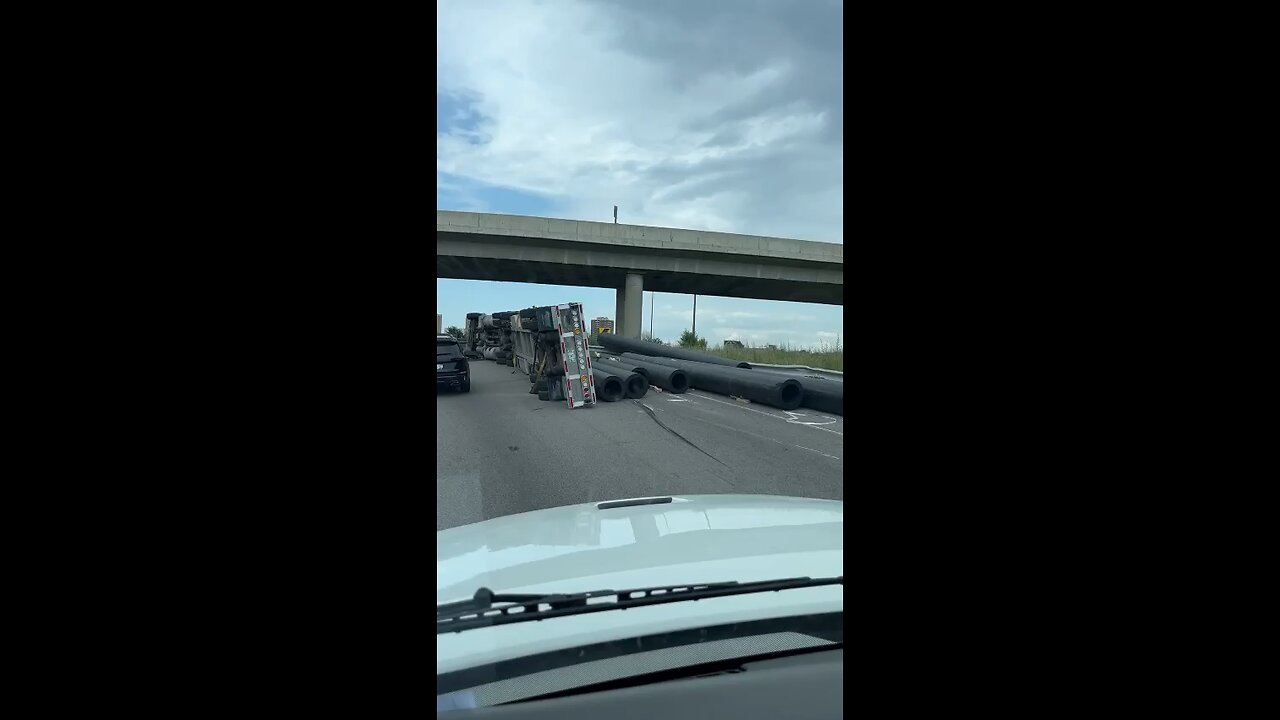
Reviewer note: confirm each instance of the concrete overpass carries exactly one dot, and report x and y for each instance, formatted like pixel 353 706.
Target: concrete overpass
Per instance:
pixel 635 258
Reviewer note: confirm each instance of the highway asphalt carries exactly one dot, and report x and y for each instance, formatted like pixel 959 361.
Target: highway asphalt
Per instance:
pixel 500 450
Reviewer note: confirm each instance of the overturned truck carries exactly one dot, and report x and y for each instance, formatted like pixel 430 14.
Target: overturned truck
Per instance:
pixel 487 336
pixel 547 343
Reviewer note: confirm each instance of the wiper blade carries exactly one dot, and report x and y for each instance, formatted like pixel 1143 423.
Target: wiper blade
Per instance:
pixel 484 600
pixel 487 608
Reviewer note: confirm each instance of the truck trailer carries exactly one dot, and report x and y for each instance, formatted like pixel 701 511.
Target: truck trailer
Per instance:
pixel 549 344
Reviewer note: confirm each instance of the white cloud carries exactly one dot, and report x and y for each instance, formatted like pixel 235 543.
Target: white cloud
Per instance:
pixel 721 316
pixel 685 115
pixel 755 334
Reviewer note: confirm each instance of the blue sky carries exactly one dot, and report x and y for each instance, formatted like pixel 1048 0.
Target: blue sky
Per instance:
pixel 693 115
pixel 755 322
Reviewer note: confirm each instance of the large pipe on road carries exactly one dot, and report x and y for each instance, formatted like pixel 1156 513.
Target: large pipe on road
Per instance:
pixel 765 388
pixel 641 347
pixel 824 395
pixel 637 384
pixel 820 393
pixel 666 377
pixel 608 386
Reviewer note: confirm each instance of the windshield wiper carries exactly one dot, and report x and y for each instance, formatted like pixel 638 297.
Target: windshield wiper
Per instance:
pixel 487 608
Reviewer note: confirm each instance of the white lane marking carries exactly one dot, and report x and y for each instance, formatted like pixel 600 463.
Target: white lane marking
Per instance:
pixel 779 417
pixel 833 457
pixel 819 427
pixel 762 437
pixel 795 418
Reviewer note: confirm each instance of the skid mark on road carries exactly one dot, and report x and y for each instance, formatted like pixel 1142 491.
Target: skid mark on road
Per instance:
pixel 673 432
pixel 784 418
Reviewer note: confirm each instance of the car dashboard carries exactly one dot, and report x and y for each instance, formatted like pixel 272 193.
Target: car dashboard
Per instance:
pixel 809 685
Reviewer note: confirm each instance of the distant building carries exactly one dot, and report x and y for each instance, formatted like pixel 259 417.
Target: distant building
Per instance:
pixel 732 343
pixel 601 324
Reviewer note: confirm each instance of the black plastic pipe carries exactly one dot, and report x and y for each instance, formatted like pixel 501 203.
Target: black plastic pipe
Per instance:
pixel 636 383
pixel 824 395
pixel 820 393
pixel 608 386
pixel 765 388
pixel 627 345
pixel 668 378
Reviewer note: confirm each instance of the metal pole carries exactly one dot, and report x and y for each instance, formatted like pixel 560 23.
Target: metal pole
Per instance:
pixel 695 317
pixel 651 315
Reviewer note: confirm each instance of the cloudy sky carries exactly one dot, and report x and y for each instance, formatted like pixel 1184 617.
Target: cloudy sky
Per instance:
pixel 707 114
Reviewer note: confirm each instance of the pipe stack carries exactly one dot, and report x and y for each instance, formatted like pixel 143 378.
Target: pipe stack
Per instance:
pixel 627 345
pixel 636 384
pixel 768 389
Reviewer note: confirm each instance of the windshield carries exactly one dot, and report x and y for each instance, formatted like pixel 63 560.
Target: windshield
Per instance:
pixel 640 269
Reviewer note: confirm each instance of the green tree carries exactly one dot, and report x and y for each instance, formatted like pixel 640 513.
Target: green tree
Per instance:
pixel 455 331
pixel 690 340
pixel 649 338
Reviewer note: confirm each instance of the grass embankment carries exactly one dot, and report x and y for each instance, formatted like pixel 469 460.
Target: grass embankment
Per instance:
pixel 827 358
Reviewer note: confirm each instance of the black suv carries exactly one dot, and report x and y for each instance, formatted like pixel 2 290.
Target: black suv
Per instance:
pixel 452 369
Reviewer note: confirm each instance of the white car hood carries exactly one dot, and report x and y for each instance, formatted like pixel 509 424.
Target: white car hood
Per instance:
pixel 692 539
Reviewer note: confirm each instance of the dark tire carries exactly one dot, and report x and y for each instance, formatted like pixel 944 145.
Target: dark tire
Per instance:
pixel 466 386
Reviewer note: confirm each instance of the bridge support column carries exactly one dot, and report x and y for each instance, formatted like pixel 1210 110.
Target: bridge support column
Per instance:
pixel 620 311
pixel 634 305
